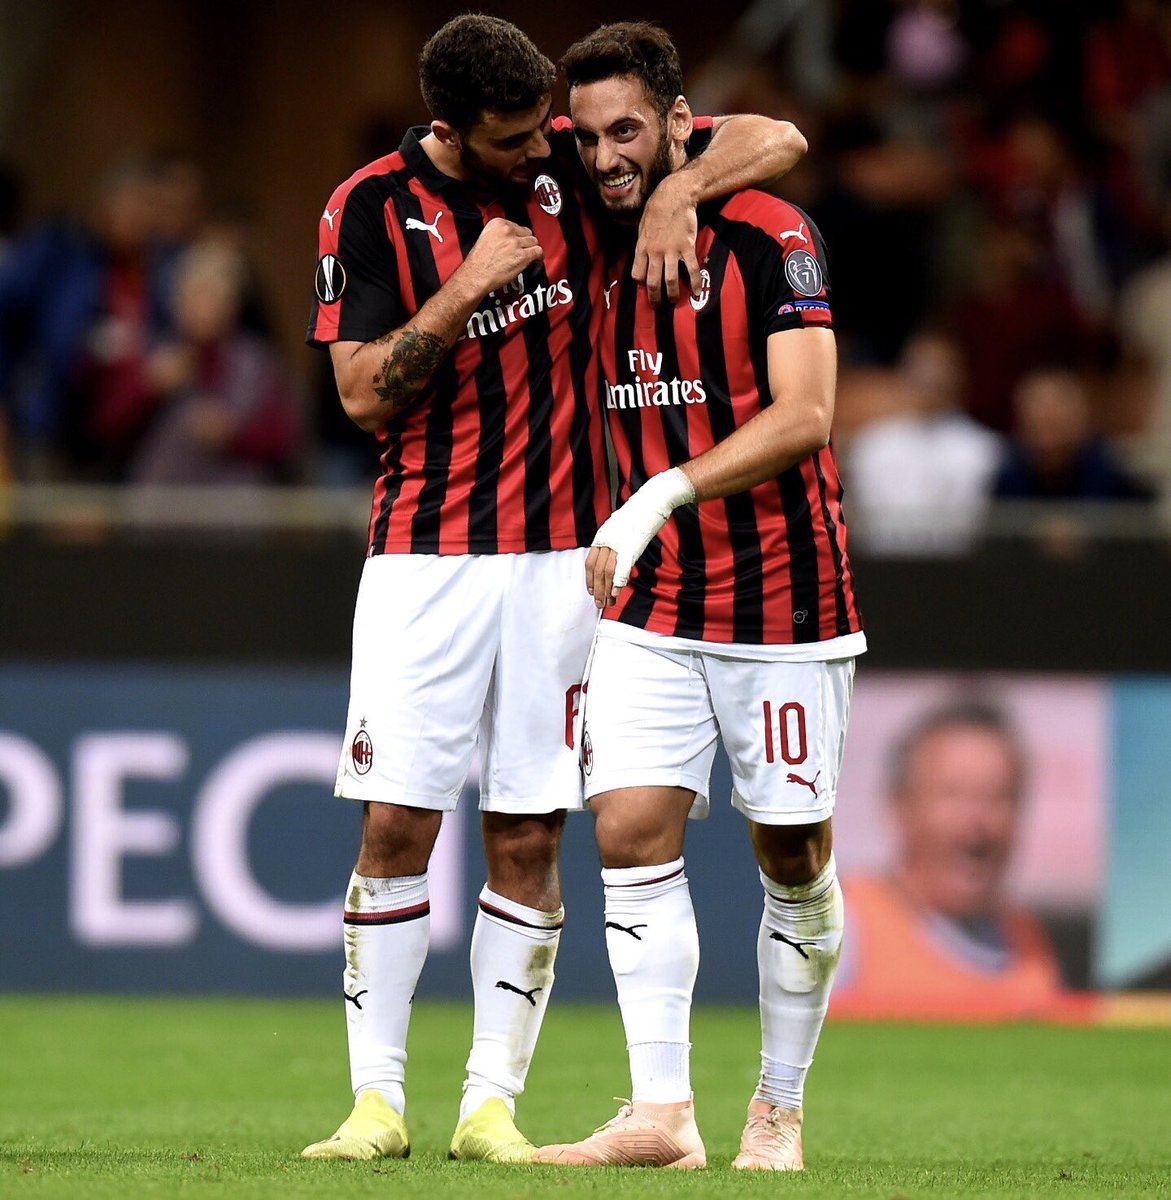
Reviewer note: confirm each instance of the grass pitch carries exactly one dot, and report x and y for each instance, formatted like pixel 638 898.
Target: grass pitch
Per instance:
pixel 118 1098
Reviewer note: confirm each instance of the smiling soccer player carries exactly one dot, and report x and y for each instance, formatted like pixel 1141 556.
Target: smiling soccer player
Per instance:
pixel 730 609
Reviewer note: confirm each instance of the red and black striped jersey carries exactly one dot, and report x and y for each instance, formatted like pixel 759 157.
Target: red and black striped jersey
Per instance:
pixel 767 566
pixel 503 451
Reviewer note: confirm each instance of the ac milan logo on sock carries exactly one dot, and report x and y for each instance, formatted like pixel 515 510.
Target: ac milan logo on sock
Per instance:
pixel 362 752
pixel 548 192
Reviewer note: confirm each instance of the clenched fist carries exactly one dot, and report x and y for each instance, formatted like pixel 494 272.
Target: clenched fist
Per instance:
pixel 500 254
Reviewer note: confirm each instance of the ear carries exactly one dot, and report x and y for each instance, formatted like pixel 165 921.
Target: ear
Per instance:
pixel 679 121
pixel 679 124
pixel 445 134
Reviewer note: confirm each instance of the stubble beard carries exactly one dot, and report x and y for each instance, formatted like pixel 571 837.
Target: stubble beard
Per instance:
pixel 659 169
pixel 485 179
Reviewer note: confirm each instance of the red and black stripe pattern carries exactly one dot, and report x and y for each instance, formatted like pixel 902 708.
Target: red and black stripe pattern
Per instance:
pixel 650 882
pixel 768 566
pixel 501 914
pixel 502 452
pixel 396 916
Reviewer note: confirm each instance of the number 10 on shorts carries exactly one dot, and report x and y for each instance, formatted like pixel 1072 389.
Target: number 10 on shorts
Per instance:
pixel 784 730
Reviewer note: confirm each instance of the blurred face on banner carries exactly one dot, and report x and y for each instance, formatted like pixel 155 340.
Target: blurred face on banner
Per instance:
pixel 956 808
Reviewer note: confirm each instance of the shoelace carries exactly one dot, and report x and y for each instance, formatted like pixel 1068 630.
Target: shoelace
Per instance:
pixel 625 1111
pixel 774 1121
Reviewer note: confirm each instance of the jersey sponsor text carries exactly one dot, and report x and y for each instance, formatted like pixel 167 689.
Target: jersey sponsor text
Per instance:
pixel 652 393
pixel 502 312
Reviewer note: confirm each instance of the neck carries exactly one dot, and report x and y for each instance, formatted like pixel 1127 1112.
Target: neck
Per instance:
pixel 444 156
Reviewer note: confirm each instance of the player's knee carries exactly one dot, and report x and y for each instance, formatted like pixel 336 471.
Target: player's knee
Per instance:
pixel 641 827
pixel 618 841
pixel 523 845
pixel 792 854
pixel 397 840
pixel 627 840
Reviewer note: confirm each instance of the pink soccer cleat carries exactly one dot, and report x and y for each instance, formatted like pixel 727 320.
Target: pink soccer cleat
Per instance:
pixel 771 1140
pixel 641 1135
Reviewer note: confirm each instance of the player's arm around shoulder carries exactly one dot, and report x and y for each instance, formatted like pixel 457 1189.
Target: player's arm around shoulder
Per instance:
pixel 744 151
pixel 750 151
pixel 378 379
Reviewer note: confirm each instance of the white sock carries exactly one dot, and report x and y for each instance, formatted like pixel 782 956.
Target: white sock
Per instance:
pixel 654 953
pixel 797 953
pixel 387 932
pixel 513 950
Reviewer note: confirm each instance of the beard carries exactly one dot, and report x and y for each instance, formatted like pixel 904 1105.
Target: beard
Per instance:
pixel 485 179
pixel 630 207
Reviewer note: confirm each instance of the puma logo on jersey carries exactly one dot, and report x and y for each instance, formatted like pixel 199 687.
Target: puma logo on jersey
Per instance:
pixel 356 998
pixel 433 228
pixel 797 233
pixel 811 784
pixel 505 986
pixel 626 929
pixel 329 217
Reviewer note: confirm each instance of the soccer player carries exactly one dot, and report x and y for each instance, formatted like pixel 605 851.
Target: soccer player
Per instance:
pixel 458 289
pixel 739 620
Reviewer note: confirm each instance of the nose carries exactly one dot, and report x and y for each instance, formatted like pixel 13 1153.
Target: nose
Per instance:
pixel 606 157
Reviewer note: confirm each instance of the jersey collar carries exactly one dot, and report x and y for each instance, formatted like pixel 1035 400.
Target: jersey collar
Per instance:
pixel 416 158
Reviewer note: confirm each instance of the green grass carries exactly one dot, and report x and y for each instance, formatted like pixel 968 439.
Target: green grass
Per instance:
pixel 115 1098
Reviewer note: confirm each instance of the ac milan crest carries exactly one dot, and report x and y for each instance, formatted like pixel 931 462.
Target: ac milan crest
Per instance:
pixel 362 752
pixel 587 754
pixel 548 193
pixel 701 297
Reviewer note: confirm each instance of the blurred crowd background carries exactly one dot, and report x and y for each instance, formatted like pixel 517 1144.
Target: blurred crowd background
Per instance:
pixel 993 180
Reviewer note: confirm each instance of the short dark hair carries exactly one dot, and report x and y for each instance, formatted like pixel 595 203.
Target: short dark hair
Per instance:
pixel 477 64
pixel 963 714
pixel 639 48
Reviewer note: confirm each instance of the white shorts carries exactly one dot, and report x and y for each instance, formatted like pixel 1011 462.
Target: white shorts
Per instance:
pixel 653 715
pixel 449 649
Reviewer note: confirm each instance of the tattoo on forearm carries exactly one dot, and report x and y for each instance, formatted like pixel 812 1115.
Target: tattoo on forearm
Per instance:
pixel 408 367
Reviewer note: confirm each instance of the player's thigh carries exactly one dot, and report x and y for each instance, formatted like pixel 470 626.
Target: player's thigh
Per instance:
pixel 426 633
pixel 783 726
pixel 649 721
pixel 529 755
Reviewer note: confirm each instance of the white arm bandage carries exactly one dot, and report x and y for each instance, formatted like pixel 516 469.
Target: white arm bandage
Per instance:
pixel 629 531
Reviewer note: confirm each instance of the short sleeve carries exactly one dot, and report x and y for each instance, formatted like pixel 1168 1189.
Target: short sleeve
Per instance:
pixel 783 260
pixel 356 296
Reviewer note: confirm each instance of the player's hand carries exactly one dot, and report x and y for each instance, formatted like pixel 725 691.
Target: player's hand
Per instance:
pixel 501 253
pixel 666 238
pixel 625 534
